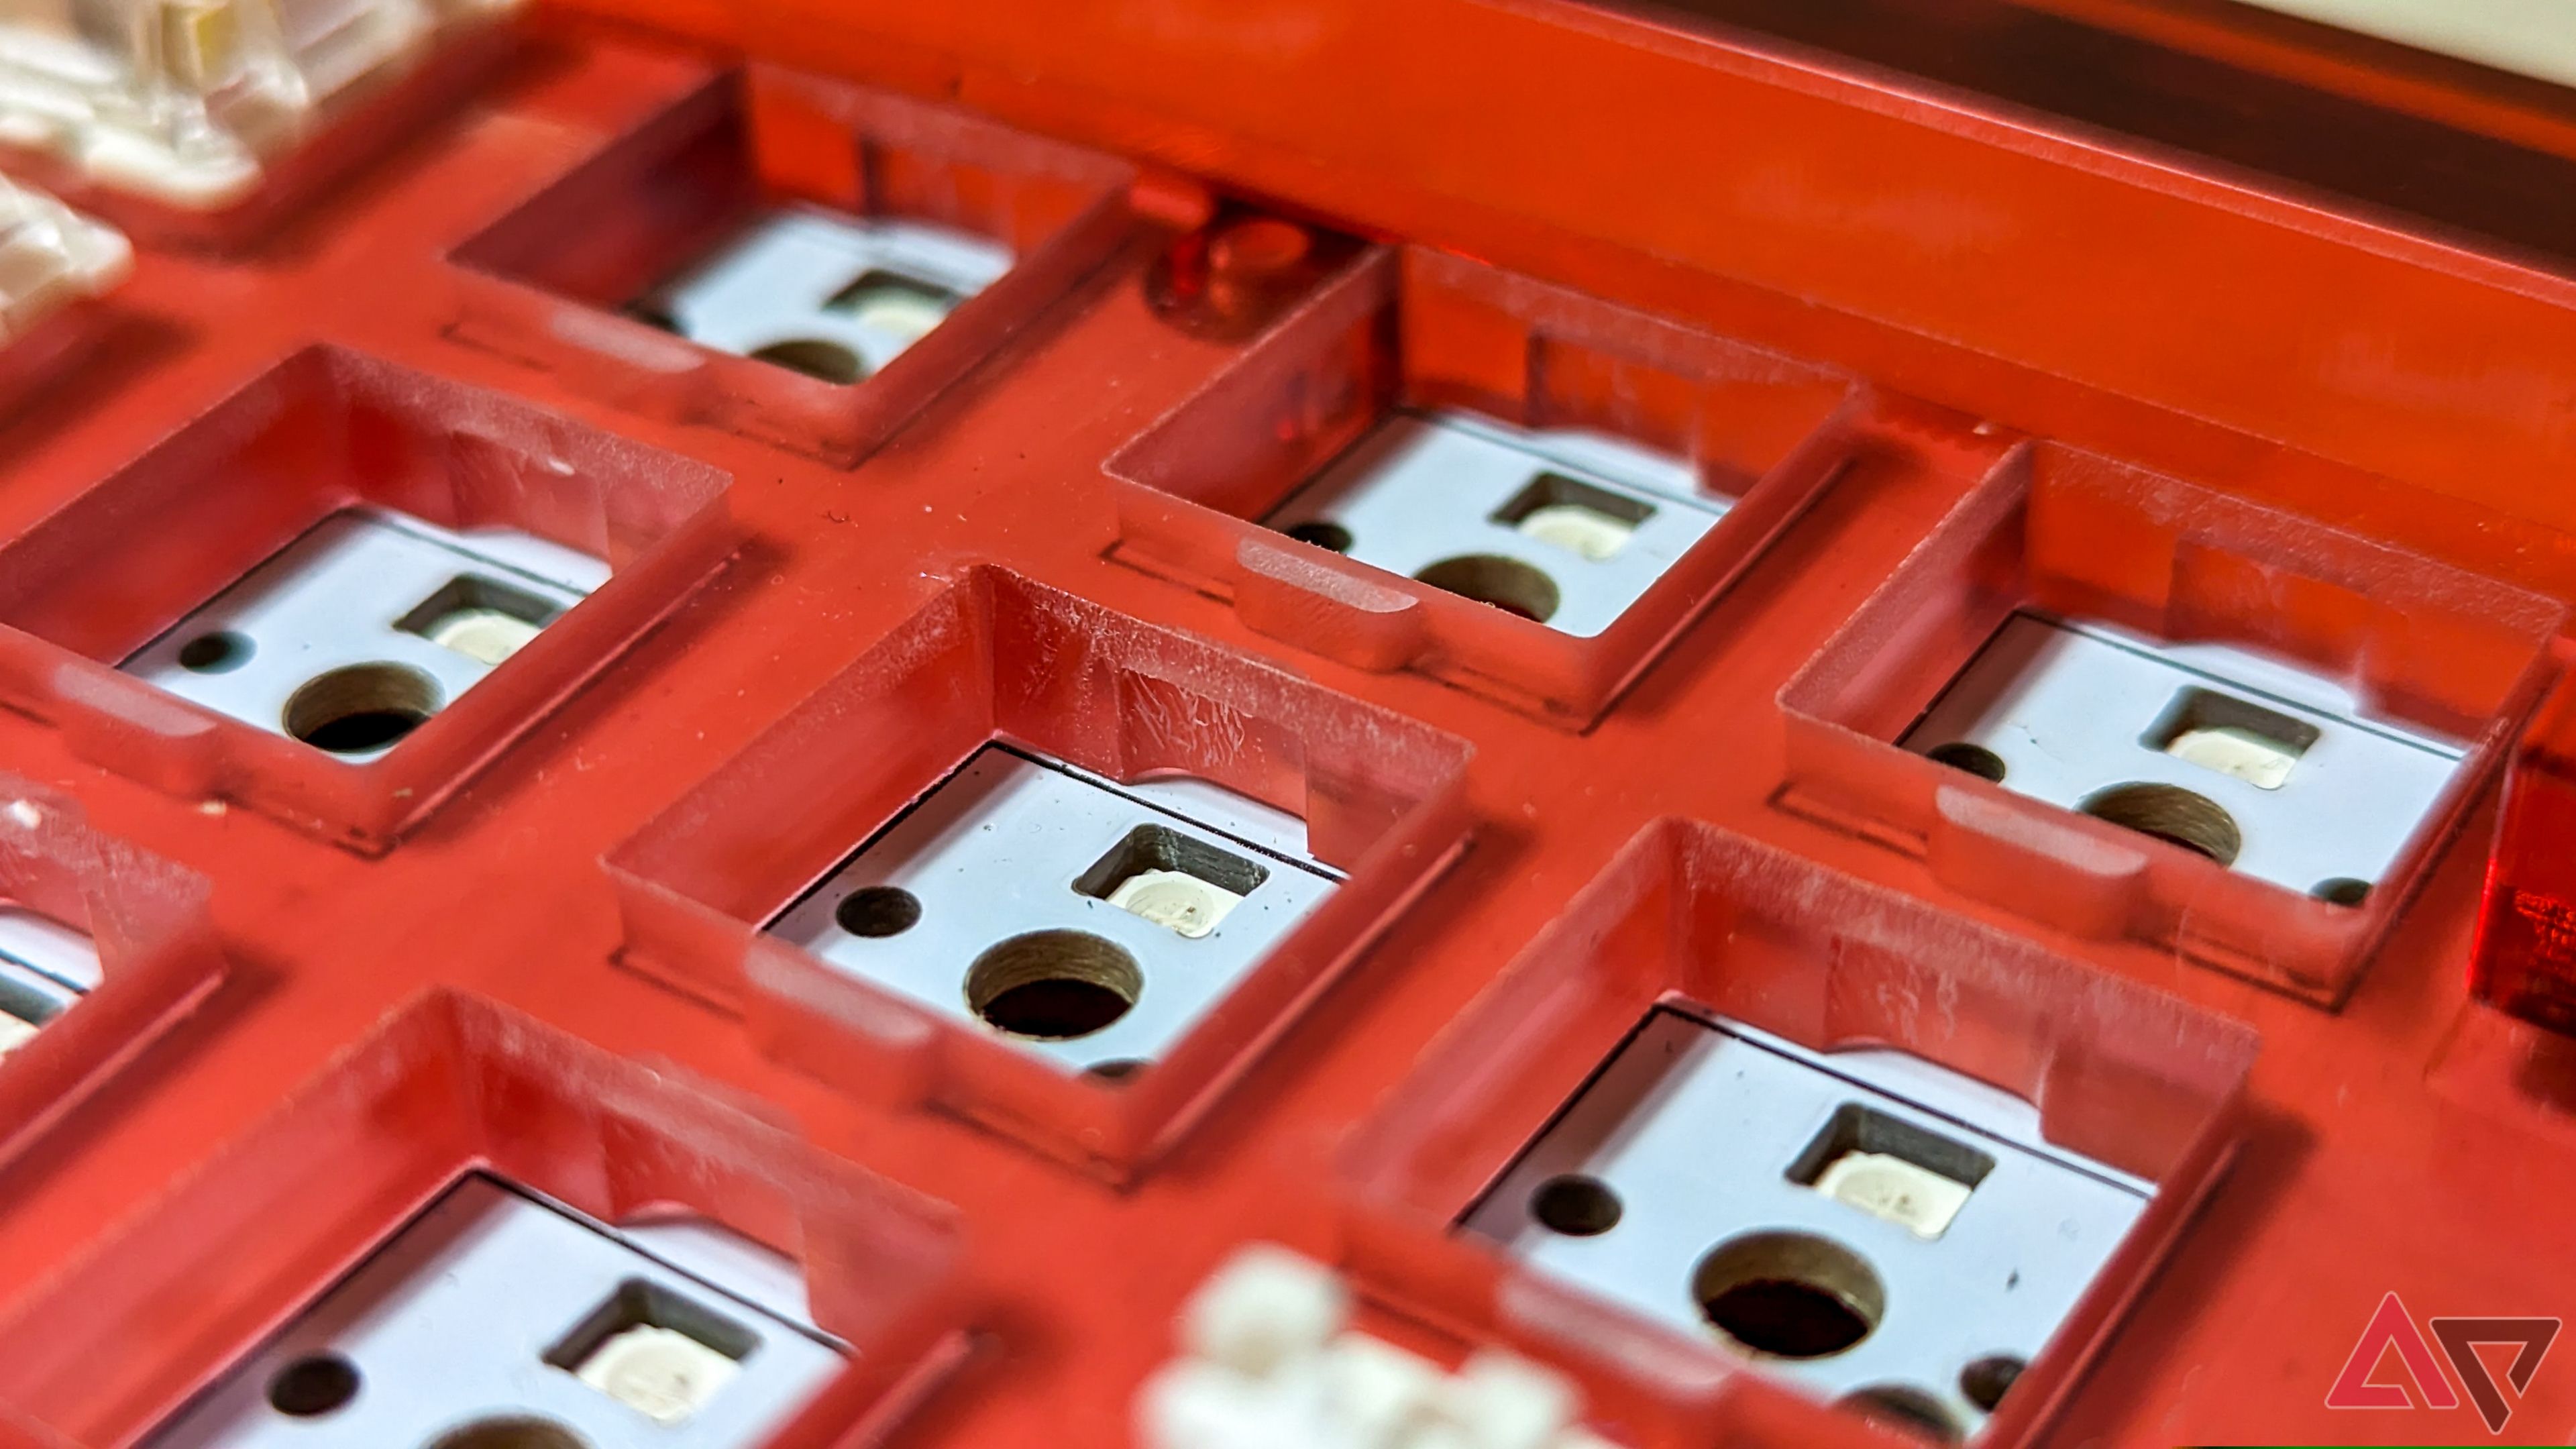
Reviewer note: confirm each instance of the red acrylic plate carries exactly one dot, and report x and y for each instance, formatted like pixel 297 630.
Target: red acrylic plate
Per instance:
pixel 321 431
pixel 448 1085
pixel 994 656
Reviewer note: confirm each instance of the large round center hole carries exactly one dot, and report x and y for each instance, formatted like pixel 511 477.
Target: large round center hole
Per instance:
pixel 815 357
pixel 1793 1295
pixel 510 1431
pixel 1054 985
pixel 361 708
pixel 313 1386
pixel 2171 814
pixel 1506 583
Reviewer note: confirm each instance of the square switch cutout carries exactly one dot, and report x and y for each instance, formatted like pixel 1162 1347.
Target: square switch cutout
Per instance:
pixel 2233 736
pixel 1173 880
pixel 1892 1169
pixel 1574 515
pixel 481 618
pixel 655 1351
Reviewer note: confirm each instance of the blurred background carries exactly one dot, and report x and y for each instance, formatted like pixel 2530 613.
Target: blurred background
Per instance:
pixel 2455 112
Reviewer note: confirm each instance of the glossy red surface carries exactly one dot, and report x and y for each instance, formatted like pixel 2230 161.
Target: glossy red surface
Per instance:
pixel 1416 329
pixel 2078 536
pixel 2353 434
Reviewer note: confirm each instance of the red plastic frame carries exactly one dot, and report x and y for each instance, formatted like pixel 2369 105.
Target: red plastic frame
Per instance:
pixel 2080 536
pixel 51 347
pixel 2200 328
pixel 1712 922
pixel 324 430
pixel 2525 959
pixel 545 282
pixel 157 953
pixel 992 656
pixel 452 1084
pixel 1409 327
